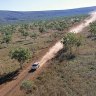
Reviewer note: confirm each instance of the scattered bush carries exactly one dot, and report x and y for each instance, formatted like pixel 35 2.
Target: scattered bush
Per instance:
pixel 7 39
pixel 71 40
pixel 92 29
pixel 28 86
pixel 41 29
pixel 21 55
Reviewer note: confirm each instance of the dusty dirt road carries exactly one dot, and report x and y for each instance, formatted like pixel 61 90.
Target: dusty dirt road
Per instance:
pixel 10 88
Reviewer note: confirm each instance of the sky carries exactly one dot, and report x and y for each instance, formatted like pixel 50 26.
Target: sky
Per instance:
pixel 38 5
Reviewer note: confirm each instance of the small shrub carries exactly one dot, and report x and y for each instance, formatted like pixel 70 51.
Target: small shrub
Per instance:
pixel 33 35
pixel 41 29
pixel 27 86
pixel 92 29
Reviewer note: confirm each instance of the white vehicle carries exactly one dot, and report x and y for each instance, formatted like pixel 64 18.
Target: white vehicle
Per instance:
pixel 35 66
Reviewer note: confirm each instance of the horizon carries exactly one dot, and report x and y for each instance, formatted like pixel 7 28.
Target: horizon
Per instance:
pixel 49 10
pixel 42 5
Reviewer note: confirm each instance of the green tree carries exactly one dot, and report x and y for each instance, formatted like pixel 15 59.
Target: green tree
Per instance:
pixel 28 86
pixel 13 28
pixel 33 35
pixel 78 43
pixel 21 29
pixel 26 26
pixel 41 29
pixel 70 40
pixel 25 34
pixel 61 25
pixel 7 39
pixel 21 55
pixel 92 29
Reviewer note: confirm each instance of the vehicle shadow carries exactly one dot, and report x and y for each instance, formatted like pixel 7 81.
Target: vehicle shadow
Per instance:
pixel 9 77
pixel 32 70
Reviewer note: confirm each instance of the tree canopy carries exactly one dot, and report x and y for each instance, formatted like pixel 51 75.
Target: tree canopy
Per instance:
pixel 21 55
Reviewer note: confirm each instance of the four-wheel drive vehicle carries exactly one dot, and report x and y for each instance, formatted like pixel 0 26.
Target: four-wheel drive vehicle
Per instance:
pixel 35 66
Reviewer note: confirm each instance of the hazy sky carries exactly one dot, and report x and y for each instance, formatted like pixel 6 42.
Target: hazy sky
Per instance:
pixel 36 5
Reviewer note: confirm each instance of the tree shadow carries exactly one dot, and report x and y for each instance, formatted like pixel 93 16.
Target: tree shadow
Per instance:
pixel 88 36
pixel 92 37
pixel 9 77
pixel 63 55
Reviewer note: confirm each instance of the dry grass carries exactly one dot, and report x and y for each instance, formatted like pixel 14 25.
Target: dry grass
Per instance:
pixel 68 78
pixel 34 44
pixel 75 77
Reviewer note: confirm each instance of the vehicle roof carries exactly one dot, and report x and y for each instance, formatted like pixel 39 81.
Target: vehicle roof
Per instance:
pixel 36 63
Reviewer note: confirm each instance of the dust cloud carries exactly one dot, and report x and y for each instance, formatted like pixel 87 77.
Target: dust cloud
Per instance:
pixel 85 23
pixel 58 46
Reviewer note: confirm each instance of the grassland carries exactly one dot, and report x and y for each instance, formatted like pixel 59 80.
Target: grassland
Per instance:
pixel 62 77
pixel 76 77
pixel 35 41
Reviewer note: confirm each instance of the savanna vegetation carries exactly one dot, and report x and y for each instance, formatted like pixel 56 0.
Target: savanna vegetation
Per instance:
pixel 35 37
pixel 70 76
pixel 71 73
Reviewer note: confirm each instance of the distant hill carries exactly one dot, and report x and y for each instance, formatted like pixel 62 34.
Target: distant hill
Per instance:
pixel 15 16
